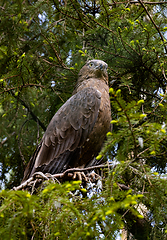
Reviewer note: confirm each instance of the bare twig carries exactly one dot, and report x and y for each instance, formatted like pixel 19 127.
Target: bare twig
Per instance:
pixel 21 86
pixel 37 131
pixel 19 142
pixel 124 187
pixel 61 175
pixel 6 139
pixel 156 27
pixel 47 176
pixel 29 110
pixel 137 3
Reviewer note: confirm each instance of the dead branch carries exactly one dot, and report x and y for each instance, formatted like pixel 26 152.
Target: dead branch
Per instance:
pixel 42 177
pixel 156 27
pixel 19 142
pixel 137 3
pixel 34 117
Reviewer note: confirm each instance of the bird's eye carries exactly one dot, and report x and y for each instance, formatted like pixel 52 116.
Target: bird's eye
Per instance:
pixel 90 64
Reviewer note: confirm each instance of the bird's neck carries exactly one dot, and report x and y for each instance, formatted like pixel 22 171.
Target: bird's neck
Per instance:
pixel 91 82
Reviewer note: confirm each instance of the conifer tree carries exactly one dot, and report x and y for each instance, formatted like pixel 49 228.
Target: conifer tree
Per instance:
pixel 43 45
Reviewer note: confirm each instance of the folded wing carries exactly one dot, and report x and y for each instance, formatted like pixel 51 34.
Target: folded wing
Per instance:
pixel 67 131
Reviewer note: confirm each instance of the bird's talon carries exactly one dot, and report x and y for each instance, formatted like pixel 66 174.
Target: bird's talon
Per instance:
pixel 80 176
pixel 94 176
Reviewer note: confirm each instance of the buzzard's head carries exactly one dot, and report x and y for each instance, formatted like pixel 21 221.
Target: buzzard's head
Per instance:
pixel 94 69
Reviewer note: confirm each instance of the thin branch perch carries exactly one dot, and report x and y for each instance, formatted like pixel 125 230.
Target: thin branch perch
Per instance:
pixel 47 176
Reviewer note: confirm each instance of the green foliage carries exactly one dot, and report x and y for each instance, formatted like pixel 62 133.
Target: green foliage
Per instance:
pixel 57 212
pixel 137 136
pixel 60 210
pixel 43 45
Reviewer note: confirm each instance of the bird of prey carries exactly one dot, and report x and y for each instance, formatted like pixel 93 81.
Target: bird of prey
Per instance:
pixel 77 131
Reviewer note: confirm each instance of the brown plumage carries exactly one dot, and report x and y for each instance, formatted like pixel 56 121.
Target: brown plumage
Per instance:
pixel 77 131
